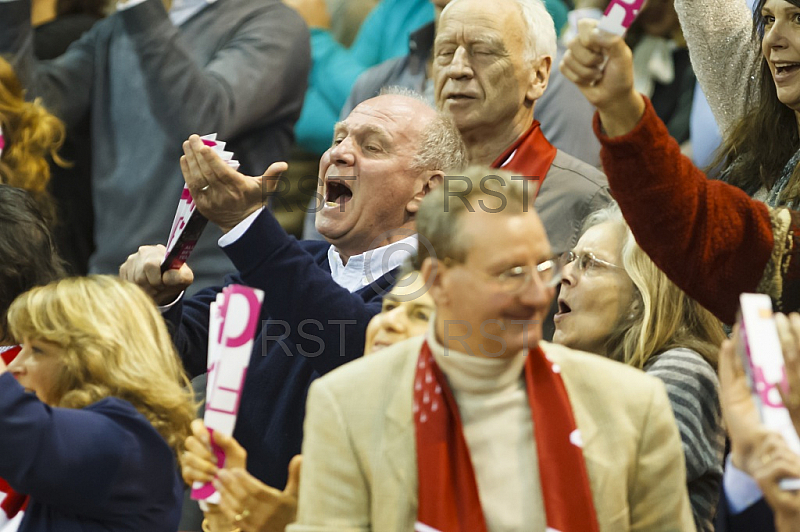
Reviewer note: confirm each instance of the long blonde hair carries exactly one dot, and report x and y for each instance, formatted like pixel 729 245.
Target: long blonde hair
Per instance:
pixel 662 316
pixel 115 344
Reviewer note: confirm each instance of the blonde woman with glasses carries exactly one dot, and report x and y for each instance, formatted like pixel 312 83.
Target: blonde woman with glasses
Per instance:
pixel 616 303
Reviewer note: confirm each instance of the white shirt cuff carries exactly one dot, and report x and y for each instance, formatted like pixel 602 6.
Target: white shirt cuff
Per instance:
pixel 127 4
pixel 741 489
pixel 163 308
pixel 236 233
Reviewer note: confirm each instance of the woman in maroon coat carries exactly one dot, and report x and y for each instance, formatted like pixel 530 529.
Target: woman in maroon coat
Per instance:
pixel 710 238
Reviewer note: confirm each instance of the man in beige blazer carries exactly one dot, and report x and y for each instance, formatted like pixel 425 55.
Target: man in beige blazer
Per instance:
pixel 488 265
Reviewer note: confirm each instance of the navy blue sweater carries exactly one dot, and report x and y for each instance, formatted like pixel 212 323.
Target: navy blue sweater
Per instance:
pixel 757 517
pixel 309 326
pixel 97 469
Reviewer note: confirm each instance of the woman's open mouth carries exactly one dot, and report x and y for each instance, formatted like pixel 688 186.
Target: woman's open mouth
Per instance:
pixel 563 310
pixel 784 70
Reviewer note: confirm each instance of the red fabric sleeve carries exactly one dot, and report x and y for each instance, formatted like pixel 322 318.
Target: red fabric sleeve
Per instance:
pixel 710 238
pixel 9 354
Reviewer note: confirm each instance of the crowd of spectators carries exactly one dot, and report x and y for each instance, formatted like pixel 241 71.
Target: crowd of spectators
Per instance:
pixel 513 304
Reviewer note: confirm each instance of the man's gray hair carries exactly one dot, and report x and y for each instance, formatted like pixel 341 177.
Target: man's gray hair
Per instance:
pixel 541 33
pixel 441 147
pixel 479 187
pixel 541 30
pixel 399 90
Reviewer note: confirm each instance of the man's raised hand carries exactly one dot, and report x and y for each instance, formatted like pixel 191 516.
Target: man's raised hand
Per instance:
pixel 223 195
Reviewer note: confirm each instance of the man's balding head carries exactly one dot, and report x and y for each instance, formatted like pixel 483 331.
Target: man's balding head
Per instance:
pixel 386 156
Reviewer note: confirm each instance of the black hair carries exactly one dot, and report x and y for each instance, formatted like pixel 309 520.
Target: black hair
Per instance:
pixel 28 256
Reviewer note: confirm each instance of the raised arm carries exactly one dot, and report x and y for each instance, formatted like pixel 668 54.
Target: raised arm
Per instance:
pixel 383 35
pixel 710 238
pixel 257 75
pixel 63 83
pixel 724 54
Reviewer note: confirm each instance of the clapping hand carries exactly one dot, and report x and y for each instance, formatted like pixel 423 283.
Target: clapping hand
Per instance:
pixel 252 505
pixel 738 409
pixel 763 454
pixel 774 463
pixel 245 502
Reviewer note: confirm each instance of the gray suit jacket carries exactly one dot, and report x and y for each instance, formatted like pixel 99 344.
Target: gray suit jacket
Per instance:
pixel 360 473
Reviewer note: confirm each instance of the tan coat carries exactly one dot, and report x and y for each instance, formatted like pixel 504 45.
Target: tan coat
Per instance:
pixel 359 470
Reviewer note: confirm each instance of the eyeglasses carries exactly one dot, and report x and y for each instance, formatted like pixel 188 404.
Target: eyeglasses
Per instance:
pixel 586 262
pixel 518 278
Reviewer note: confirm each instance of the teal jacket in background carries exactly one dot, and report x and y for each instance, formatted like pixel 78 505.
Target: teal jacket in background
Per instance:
pixel 383 35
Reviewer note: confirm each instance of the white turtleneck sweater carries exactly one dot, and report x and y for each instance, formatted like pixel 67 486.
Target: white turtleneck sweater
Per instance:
pixel 493 404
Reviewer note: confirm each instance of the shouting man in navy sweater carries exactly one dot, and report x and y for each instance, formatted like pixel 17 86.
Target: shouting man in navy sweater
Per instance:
pixel 385 157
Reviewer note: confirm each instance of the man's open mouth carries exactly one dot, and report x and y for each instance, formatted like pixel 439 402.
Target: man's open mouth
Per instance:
pixel 337 193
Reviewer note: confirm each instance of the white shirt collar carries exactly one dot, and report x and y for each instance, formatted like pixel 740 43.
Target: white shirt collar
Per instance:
pixel 370 266
pixel 183 10
pixel 179 12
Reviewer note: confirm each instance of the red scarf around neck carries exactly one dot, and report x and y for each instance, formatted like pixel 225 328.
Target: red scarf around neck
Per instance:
pixel 448 491
pixel 531 155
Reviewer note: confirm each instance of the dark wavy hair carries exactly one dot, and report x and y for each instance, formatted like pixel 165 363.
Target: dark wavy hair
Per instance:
pixel 28 255
pixel 765 138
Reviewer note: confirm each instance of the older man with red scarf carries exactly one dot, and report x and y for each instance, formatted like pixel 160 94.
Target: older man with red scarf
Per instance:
pixel 480 425
pixel 491 63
